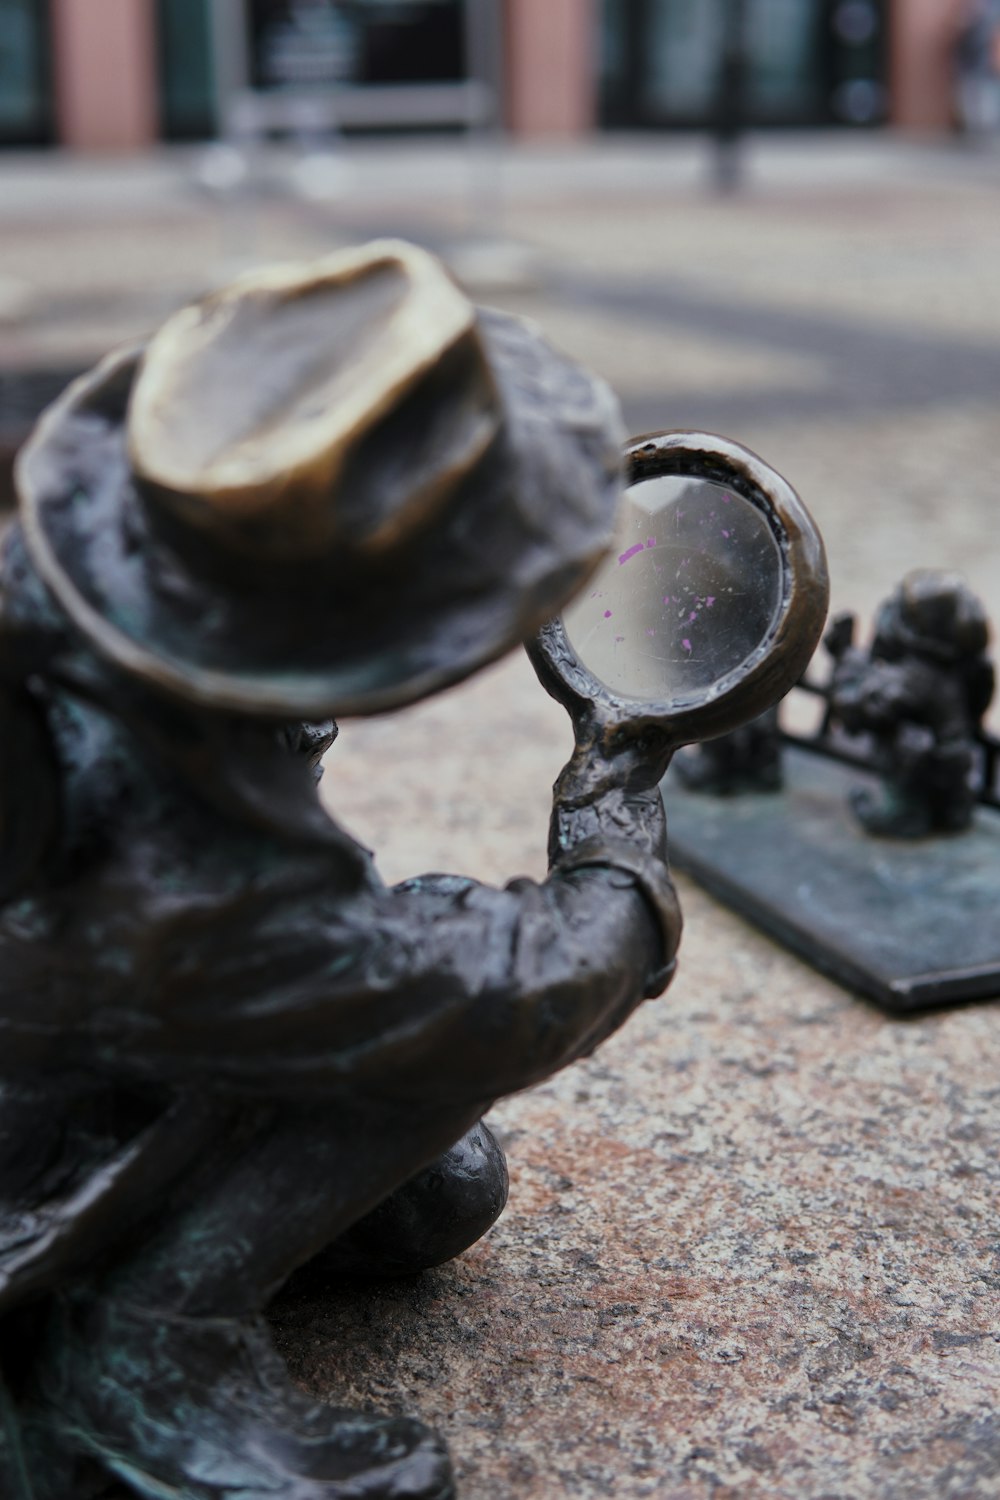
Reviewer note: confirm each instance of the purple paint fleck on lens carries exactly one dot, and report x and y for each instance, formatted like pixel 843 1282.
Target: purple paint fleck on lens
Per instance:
pixel 692 617
pixel 650 632
pixel 710 600
pixel 607 614
pixel 686 644
pixel 726 535
pixel 651 541
pixel 632 551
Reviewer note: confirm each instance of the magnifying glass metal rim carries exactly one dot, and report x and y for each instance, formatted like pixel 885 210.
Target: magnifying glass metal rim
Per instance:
pixel 773 666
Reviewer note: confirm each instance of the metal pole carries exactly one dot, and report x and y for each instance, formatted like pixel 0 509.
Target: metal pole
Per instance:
pixel 730 99
pixel 485 67
pixel 225 168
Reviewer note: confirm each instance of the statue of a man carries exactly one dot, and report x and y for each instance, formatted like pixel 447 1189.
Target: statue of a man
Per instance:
pixel 226 1047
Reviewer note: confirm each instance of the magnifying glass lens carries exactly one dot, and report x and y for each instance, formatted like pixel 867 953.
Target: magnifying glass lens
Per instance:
pixel 692 588
pixel 710 604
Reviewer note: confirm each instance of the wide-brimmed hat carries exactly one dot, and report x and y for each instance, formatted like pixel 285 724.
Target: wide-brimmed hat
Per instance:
pixel 324 490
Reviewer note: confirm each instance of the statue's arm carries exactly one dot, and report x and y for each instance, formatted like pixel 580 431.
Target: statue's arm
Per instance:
pixel 494 990
pixel 448 987
pixel 522 981
pixel 441 986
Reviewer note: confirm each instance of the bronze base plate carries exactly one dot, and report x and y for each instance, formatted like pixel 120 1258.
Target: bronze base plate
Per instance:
pixel 909 923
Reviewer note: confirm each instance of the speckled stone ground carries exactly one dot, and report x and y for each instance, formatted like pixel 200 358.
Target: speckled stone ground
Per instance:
pixel 752 1248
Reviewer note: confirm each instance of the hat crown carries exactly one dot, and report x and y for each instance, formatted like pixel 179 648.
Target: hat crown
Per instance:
pixel 400 554
pixel 264 411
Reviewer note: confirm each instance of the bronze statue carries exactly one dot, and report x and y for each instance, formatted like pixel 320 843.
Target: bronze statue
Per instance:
pixel 909 707
pixel 225 1041
pixel 227 1047
pixel 918 694
pixel 746 760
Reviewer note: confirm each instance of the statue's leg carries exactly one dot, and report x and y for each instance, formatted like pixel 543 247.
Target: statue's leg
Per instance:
pixel 892 811
pixel 15 1483
pixel 951 787
pixel 162 1370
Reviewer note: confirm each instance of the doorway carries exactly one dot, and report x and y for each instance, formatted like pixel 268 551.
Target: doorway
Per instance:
pixel 26 112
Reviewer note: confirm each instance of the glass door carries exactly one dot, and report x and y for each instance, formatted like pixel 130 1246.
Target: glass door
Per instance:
pixel 683 47
pixel 187 84
pixel 25 86
pixel 787 61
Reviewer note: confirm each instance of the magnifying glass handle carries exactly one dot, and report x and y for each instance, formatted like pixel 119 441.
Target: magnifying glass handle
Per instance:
pixel 588 808
pixel 611 752
pixel 562 677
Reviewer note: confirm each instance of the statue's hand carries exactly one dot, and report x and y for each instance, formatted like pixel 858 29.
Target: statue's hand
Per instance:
pixel 609 789
pixel 608 811
pixel 627 758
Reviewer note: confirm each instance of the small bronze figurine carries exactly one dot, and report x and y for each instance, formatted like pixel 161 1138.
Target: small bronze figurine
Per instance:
pixel 909 708
pixel 747 760
pixel 918 695
pixel 227 1046
pixel 890 901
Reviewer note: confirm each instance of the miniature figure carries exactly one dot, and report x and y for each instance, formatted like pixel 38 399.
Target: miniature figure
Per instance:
pixel 919 694
pixel 228 1047
pixel 746 760
pixel 909 925
pixel 915 700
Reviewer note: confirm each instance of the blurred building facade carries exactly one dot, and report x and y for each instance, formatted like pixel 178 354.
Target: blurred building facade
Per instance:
pixel 122 74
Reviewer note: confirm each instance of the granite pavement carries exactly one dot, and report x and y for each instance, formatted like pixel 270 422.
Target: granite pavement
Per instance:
pixel 752 1247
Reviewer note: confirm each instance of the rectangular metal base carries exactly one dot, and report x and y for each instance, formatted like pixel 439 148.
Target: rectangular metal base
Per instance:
pixel 909 923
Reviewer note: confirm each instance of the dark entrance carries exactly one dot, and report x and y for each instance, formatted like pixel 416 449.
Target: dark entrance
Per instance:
pixel 312 42
pixel 304 45
pixel 808 62
pixel 187 84
pixel 25 84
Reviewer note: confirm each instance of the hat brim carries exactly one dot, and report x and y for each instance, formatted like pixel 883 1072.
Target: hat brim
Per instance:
pixel 340 636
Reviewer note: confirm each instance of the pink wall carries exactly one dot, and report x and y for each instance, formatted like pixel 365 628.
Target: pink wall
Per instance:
pixel 551 66
pixel 923 33
pixel 105 72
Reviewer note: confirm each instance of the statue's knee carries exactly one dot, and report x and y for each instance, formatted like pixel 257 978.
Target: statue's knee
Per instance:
pixel 439 1213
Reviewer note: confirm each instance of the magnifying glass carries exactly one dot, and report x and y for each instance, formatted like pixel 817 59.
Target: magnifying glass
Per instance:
pixel 708 608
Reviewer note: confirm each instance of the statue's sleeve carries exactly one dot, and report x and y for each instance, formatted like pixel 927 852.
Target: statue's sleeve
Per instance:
pixel 449 989
pixel 440 988
pixel 500 988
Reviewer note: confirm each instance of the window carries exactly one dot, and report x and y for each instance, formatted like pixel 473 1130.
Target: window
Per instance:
pixel 805 61
pixel 309 43
pixel 25 94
